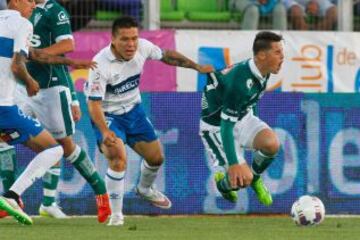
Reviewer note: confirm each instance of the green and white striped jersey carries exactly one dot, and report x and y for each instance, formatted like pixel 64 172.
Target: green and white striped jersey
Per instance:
pixel 51 24
pixel 232 92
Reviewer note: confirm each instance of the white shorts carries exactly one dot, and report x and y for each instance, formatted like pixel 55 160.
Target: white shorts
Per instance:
pixel 245 132
pixel 51 106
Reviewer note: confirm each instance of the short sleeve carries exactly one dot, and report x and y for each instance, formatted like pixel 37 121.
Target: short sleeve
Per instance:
pixel 150 50
pixel 96 86
pixel 23 38
pixel 60 24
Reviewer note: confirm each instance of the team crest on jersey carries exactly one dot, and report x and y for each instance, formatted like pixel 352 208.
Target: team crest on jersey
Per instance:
pixel 249 83
pixel 63 17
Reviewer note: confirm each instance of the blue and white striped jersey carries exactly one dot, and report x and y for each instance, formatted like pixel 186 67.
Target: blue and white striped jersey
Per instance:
pixel 15 35
pixel 116 82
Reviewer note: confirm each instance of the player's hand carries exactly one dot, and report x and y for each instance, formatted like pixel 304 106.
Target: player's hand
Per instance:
pixel 109 138
pixel 32 88
pixel 240 175
pixel 76 112
pixel 83 64
pixel 205 68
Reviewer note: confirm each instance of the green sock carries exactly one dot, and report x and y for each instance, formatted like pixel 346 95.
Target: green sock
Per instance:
pixel 260 163
pixel 50 183
pixel 86 168
pixel 7 166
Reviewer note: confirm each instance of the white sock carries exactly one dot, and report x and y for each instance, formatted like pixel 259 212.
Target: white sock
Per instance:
pixel 147 176
pixel 115 187
pixel 42 162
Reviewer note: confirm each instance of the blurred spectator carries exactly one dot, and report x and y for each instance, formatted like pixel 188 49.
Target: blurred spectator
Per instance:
pixel 323 10
pixel 251 11
pixel 357 7
pixel 132 8
pixel 3 4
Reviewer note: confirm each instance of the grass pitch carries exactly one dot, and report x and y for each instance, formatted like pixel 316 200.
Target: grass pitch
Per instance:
pixel 182 228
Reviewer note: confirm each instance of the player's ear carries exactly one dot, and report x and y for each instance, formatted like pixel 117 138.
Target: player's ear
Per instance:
pixel 261 55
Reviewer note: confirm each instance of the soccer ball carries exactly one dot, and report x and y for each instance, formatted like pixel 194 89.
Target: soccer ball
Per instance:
pixel 308 210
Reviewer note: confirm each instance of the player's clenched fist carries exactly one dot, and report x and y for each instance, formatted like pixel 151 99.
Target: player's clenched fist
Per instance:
pixel 240 175
pixel 32 88
pixel 109 138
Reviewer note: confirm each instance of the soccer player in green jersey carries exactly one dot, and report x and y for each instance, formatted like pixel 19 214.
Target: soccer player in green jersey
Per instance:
pixel 57 107
pixel 228 125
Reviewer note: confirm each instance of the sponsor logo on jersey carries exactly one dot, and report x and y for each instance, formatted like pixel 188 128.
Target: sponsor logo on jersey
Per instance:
pixel 204 102
pixel 63 18
pixel 125 86
pixel 231 111
pixel 249 83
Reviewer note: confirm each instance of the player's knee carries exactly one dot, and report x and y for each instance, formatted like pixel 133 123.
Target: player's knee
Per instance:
pixel 271 146
pixel 117 164
pixel 156 159
pixel 68 146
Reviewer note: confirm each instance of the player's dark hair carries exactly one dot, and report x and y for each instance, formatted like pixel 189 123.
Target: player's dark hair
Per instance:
pixel 264 39
pixel 123 22
pixel 8 1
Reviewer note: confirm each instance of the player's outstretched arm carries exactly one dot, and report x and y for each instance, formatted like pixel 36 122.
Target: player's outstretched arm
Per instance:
pixel 175 58
pixel 40 56
pixel 62 47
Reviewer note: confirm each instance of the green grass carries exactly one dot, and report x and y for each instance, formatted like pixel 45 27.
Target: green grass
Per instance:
pixel 184 228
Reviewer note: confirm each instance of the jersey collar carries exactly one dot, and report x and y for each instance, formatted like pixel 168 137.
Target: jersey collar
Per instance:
pixel 256 71
pixel 109 54
pixel 42 5
pixel 112 58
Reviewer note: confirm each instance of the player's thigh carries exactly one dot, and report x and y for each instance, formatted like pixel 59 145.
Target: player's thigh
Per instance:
pixel 247 129
pixel 68 145
pixel 151 151
pixel 211 138
pixel 41 142
pixel 16 127
pixel 142 138
pixel 52 107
